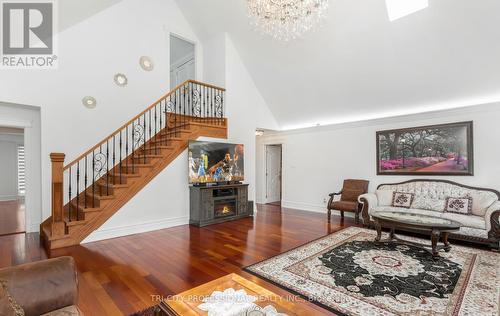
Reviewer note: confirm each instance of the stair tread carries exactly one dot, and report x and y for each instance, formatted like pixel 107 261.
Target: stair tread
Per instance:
pixel 74 222
pixel 87 209
pixel 101 197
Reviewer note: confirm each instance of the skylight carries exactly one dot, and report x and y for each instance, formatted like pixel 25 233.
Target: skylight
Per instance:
pixel 400 8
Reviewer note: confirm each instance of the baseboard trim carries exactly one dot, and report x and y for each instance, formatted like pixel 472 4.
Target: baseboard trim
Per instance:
pixel 108 233
pixel 316 208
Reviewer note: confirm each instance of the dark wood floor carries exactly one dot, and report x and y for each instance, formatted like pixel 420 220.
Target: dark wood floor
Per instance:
pixel 119 276
pixel 12 217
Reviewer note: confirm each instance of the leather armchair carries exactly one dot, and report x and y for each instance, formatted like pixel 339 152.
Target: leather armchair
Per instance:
pixel 48 286
pixel 348 202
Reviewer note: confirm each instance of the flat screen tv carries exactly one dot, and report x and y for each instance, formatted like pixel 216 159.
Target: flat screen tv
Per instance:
pixel 211 162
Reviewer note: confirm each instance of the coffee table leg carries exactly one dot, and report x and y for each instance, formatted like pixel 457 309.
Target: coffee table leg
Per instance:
pixel 379 231
pixel 391 234
pixel 447 246
pixel 434 240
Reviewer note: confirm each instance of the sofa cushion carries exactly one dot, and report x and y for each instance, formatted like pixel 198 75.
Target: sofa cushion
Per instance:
pixel 402 199
pixel 481 201
pixel 346 206
pixel 384 197
pixel 405 210
pixel 473 232
pixel 426 203
pixel 462 205
pixel 72 310
pixel 466 220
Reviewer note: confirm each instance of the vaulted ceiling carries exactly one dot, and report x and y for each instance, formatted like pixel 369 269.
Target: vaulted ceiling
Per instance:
pixel 359 65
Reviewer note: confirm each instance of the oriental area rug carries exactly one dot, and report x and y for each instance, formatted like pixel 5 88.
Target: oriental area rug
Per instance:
pixel 347 273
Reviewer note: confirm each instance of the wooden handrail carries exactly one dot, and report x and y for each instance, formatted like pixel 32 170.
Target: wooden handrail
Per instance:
pixel 82 156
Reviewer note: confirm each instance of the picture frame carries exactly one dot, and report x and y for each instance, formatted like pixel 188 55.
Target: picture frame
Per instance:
pixel 443 149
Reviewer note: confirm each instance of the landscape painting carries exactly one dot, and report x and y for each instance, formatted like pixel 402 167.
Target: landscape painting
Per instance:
pixel 445 149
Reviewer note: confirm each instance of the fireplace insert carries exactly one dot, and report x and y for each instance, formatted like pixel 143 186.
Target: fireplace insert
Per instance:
pixel 224 208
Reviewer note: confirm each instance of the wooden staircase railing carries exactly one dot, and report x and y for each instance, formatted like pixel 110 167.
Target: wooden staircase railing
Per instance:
pixel 100 170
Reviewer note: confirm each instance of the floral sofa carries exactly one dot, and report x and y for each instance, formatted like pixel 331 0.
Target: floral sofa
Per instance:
pixel 430 197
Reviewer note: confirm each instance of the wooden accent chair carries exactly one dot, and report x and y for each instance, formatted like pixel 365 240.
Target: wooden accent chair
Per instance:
pixel 351 190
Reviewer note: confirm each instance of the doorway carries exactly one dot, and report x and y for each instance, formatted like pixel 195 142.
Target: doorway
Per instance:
pixel 12 181
pixel 182 61
pixel 273 174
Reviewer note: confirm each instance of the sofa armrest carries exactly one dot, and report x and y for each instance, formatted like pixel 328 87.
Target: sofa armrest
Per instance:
pixel 43 286
pixel 369 201
pixel 492 219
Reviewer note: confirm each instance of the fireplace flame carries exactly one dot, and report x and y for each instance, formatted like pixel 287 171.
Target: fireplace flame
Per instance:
pixel 225 210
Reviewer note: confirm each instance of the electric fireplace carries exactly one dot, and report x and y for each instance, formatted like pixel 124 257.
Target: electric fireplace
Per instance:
pixel 223 208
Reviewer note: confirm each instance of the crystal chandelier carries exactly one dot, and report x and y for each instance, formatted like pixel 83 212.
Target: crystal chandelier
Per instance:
pixel 286 19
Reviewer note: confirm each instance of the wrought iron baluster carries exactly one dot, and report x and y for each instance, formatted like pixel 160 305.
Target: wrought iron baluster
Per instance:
pixel 190 97
pixel 85 184
pixel 162 132
pixel 69 192
pixel 184 103
pixel 121 157
pixel 93 178
pixel 107 169
pixel 145 144
pixel 133 147
pixel 77 188
pixel 205 101
pixel 211 93
pixel 114 161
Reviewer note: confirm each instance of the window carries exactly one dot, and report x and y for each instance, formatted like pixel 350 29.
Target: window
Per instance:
pixel 21 171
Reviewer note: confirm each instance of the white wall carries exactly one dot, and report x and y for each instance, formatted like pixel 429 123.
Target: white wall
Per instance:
pixel 317 160
pixel 28 118
pixel 90 54
pixel 8 165
pixel 246 111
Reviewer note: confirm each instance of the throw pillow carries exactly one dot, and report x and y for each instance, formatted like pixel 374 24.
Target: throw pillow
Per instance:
pixel 402 199
pixel 426 203
pixel 384 197
pixel 481 201
pixel 461 205
pixel 8 306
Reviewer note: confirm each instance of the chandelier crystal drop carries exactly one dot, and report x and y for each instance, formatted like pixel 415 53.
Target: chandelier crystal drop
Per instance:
pixel 286 19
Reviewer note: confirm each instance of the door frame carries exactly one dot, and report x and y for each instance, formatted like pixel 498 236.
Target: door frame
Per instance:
pixel 266 173
pixel 29 221
pixel 196 53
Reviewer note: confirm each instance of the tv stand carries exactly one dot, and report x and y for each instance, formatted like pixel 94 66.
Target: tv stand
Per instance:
pixel 219 203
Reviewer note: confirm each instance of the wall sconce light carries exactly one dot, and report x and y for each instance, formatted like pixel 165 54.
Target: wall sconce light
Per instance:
pixel 89 102
pixel 146 63
pixel 121 80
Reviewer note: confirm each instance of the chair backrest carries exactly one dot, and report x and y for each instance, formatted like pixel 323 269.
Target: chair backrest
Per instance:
pixel 353 189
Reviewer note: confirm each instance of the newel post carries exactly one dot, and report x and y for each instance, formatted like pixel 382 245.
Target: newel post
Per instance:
pixel 58 228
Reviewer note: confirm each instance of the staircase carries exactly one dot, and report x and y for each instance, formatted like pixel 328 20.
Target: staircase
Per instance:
pixel 93 187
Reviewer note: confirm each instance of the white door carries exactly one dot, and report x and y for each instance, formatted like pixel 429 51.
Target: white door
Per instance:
pixel 273 173
pixel 182 73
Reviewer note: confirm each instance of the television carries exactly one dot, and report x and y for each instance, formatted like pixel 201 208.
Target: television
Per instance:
pixel 211 162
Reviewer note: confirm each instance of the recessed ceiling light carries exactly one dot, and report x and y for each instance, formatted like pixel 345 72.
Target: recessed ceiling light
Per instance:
pixel 400 8
pixel 146 63
pixel 89 102
pixel 121 80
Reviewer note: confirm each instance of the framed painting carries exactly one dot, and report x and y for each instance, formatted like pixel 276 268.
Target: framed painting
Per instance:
pixel 445 149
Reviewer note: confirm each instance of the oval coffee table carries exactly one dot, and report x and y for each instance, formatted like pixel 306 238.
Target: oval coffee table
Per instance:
pixel 438 227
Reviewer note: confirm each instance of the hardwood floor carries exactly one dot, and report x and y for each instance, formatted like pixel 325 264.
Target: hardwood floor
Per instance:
pixel 121 276
pixel 12 217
